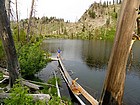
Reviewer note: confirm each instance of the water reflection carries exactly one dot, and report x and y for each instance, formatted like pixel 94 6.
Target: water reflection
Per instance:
pixel 134 59
pixel 88 60
pixel 96 53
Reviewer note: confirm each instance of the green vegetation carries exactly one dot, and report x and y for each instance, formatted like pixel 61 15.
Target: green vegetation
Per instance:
pixel 58 101
pixel 53 92
pixel 1 75
pixel 51 89
pixel 19 97
pixel 32 59
pixel 1 50
pixel 2 55
pixel 106 33
pixel 92 14
pixel 114 15
pixel 102 33
pixel 22 36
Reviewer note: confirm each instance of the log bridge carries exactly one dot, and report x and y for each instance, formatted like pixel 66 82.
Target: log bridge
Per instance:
pixel 74 87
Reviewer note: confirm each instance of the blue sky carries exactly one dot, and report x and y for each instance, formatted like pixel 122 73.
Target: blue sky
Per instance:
pixel 68 9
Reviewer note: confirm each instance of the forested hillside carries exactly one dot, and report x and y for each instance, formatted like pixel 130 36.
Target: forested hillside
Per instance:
pixel 99 18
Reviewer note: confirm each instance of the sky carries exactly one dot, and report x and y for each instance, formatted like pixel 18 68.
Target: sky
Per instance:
pixel 70 10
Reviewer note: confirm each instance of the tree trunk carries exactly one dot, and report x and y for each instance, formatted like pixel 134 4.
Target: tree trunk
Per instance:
pixel 29 22
pixel 113 2
pixel 7 5
pixel 114 84
pixel 17 21
pixel 8 45
pixel 120 2
pixel 138 25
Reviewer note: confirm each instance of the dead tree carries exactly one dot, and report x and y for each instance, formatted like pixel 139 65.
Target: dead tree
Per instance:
pixel 138 25
pixel 120 2
pixel 113 2
pixel 29 21
pixel 7 5
pixel 8 44
pixel 17 20
pixel 138 21
pixel 113 89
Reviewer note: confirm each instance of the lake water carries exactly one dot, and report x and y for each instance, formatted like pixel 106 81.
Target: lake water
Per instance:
pixel 88 60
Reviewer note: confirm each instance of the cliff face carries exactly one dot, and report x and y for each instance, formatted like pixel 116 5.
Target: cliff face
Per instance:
pixel 96 17
pixel 98 14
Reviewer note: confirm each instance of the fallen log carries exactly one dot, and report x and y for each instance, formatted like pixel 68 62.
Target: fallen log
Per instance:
pixel 33 86
pixel 45 97
pixel 26 83
pixel 56 83
pixel 5 76
pixel 41 83
pixel 4 80
pixel 4 71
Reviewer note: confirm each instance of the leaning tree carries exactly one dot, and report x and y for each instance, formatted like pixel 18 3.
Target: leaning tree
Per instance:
pixel 113 89
pixel 8 44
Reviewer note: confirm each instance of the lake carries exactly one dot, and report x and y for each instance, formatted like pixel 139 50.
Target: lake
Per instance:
pixel 87 60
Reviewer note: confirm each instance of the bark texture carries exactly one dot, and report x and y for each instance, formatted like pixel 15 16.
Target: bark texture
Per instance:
pixel 8 44
pixel 114 84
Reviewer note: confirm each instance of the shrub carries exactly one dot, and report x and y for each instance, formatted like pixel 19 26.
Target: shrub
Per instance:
pixel 19 97
pixel 92 14
pixel 22 36
pixel 32 59
pixel 2 56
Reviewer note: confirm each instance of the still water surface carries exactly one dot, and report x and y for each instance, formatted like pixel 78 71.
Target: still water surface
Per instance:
pixel 88 60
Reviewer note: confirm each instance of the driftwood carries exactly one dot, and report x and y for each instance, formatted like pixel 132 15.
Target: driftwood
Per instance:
pixel 31 85
pixel 41 83
pixel 4 71
pixel 5 79
pixel 56 83
pixel 5 76
pixel 24 82
pixel 35 96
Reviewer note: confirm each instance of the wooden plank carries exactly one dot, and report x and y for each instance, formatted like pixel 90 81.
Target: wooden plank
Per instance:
pixel 82 91
pixel 58 91
pixel 53 59
pixel 88 96
pixel 80 101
